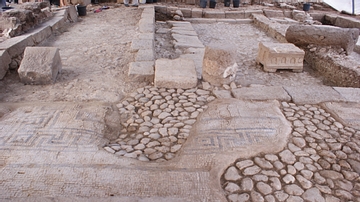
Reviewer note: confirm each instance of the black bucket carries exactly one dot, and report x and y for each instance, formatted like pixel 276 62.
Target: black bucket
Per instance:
pixel 203 3
pixel 227 3
pixel 236 3
pixel 7 8
pixel 81 10
pixel 149 1
pixel 212 4
pixel 306 6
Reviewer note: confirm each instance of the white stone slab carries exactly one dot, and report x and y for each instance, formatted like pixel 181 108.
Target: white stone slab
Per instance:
pixel 183 41
pixel 261 93
pixel 313 94
pixel 347 113
pixel 177 73
pixel 197 55
pixel 350 94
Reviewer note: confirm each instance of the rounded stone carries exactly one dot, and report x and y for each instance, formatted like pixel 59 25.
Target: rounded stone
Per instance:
pixel 287 157
pixel 247 184
pixel 293 189
pixel 263 163
pixel 271 157
pixel 281 195
pixel 239 197
pixel 313 194
pixel 275 183
pixel 251 170
pixel 256 196
pixel 155 155
pixel 232 187
pixel 264 188
pixel 244 164
pixel 288 179
pixel 232 174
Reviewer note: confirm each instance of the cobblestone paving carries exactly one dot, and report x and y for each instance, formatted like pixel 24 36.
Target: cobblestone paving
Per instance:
pixel 321 162
pixel 158 122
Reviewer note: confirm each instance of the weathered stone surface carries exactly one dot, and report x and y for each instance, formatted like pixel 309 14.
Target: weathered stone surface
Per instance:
pixel 273 13
pixel 350 94
pixel 40 65
pixel 261 93
pixel 197 55
pixel 146 25
pixel 348 113
pixel 287 157
pixel 219 64
pixel 311 94
pixel 5 60
pixel 214 14
pixel 138 44
pixel 237 118
pixel 145 55
pixel 275 56
pixel 141 71
pixel 177 73
pixel 323 35
pixel 185 41
pixel 235 14
pixel 313 194
pixel 222 94
pixel 232 174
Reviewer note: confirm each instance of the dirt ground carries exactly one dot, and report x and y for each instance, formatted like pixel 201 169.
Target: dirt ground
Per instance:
pixel 95 57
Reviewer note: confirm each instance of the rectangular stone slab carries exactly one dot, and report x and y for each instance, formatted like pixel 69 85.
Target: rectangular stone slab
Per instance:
pixel 177 73
pixel 183 41
pixel 350 94
pixel 312 94
pixel 261 93
pixel 347 113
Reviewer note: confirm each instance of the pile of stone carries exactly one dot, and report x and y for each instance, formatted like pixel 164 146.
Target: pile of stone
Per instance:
pixel 157 122
pixel 15 22
pixel 320 163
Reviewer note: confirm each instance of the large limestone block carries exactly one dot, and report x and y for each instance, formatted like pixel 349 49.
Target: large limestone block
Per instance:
pixel 197 55
pixel 185 41
pixel 5 60
pixel 261 93
pixel 323 35
pixel 40 65
pixel 219 64
pixel 141 71
pixel 274 56
pixel 177 73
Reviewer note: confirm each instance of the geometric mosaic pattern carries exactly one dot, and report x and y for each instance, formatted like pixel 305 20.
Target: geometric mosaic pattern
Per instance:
pixel 53 127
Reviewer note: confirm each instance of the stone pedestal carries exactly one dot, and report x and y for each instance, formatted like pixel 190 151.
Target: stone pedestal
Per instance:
pixel 274 56
pixel 40 65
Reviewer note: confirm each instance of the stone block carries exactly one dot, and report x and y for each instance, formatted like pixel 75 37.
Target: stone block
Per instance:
pixel 318 16
pixel 330 19
pixel 197 55
pixel 5 60
pixel 261 93
pixel 146 25
pixel 313 94
pixel 218 64
pixel 145 55
pixel 40 65
pixel 170 10
pixel 274 56
pixel 230 21
pixel 222 94
pixel 15 46
pixel 244 21
pixel 248 13
pixel 235 14
pixel 214 14
pixel 141 71
pixel 184 32
pixel 41 33
pixel 273 13
pixel 190 2
pixel 202 20
pixel 288 13
pixel 347 22
pixel 350 94
pixel 184 41
pixel 186 12
pixel 72 13
pixel 55 23
pixel 177 73
pixel 138 44
pixel 180 25
pixel 196 13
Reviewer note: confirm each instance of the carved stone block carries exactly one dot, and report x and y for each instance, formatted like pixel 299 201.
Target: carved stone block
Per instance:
pixel 274 56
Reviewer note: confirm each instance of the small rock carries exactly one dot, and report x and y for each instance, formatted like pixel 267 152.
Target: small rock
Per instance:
pixel 287 157
pixel 275 183
pixel 256 196
pixel 232 174
pixel 252 170
pixel 293 189
pixel 239 197
pixel 247 184
pixel 289 179
pixel 281 195
pixel 263 163
pixel 155 155
pixel 264 188
pixel 232 187
pixel 306 184
pixel 243 164
pixel 175 148
pixel 313 194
